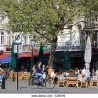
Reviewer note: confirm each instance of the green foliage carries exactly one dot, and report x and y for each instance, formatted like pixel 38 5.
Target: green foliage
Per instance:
pixel 46 18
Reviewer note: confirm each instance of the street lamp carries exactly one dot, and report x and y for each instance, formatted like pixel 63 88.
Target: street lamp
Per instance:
pixel 32 60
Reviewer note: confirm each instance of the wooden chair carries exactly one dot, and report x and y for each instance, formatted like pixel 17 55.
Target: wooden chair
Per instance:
pixel 15 75
pixel 26 76
pixel 20 76
pixel 84 83
pixel 93 82
pixel 62 82
pixel 10 75
pixel 71 81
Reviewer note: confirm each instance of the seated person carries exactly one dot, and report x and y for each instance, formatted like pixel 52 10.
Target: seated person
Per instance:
pixel 53 75
pixel 67 73
pixel 94 76
pixel 97 73
pixel 80 76
pixel 87 74
pixel 50 70
pixel 76 71
pixel 62 76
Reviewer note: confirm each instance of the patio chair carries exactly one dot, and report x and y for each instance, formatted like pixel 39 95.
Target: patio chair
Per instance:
pixel 84 83
pixel 62 82
pixel 72 81
pixel 93 82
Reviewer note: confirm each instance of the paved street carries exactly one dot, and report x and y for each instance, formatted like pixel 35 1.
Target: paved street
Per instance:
pixel 24 88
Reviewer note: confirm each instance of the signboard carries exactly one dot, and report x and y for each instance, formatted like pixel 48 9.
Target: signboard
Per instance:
pixel 18 48
pixel 17 37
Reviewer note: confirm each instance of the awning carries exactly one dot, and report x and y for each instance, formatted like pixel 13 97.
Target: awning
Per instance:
pixel 6 60
pixel 4 55
pixel 29 54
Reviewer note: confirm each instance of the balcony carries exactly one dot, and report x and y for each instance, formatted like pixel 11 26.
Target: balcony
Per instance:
pixel 60 47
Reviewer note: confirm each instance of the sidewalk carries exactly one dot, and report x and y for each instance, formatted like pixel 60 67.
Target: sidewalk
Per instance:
pixel 24 88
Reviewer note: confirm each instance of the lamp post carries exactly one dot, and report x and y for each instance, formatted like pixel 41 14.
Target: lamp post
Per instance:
pixel 32 60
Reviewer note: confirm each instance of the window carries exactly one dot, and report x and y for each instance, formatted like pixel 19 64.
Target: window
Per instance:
pixel 25 39
pixel 8 38
pixel 2 38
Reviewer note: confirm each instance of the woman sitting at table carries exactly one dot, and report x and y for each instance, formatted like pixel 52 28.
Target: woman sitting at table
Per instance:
pixel 94 76
pixel 82 79
pixel 62 76
pixel 67 73
pixel 53 74
pixel 76 71
pixel 80 76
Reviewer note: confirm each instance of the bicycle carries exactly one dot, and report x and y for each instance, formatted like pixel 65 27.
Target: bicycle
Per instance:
pixel 46 82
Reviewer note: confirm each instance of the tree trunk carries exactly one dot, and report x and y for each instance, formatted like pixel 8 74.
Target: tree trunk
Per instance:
pixel 52 52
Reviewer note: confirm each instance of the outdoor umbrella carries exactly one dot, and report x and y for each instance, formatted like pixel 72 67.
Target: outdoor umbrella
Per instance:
pixel 13 57
pixel 41 55
pixel 67 60
pixel 88 53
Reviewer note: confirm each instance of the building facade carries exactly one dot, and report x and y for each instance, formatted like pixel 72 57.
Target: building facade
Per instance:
pixel 69 39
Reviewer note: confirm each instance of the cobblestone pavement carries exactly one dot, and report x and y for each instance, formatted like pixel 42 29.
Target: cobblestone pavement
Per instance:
pixel 24 88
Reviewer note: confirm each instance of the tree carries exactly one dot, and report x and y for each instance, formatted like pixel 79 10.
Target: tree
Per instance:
pixel 41 55
pixel 46 18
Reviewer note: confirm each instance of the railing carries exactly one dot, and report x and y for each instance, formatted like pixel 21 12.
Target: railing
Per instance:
pixel 25 48
pixel 70 48
pixel 76 46
pixel 63 46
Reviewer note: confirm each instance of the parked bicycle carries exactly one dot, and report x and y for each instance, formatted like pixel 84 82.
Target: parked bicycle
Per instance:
pixel 47 82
